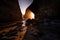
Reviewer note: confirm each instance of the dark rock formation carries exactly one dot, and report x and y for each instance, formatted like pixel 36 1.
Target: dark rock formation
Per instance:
pixel 10 19
pixel 9 12
pixel 46 26
pixel 47 20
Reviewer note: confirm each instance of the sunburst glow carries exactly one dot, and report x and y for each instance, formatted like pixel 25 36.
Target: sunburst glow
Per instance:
pixel 29 15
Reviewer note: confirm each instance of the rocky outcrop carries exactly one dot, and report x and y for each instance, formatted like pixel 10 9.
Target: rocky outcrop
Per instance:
pixel 9 12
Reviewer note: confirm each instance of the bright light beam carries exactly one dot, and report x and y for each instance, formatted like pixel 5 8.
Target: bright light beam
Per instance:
pixel 24 4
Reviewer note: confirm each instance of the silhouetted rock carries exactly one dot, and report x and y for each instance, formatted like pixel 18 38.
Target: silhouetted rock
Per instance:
pixel 9 12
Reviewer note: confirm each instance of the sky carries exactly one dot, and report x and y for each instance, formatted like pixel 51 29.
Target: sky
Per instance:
pixel 24 4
